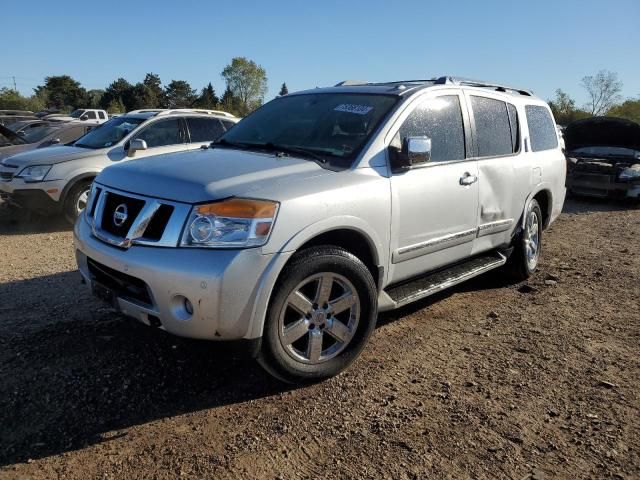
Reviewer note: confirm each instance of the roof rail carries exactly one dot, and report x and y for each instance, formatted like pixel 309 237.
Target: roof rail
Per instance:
pixel 480 83
pixel 196 110
pixel 348 83
pixel 147 110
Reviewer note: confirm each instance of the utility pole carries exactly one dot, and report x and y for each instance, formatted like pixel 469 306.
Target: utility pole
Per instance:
pixel 14 83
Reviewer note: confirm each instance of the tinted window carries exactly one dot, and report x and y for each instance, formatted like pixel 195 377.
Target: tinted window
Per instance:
pixel 441 120
pixel 71 134
pixel 493 130
pixel 227 124
pixel 204 129
pixel 101 115
pixel 542 130
pixel 159 134
pixel 91 115
pixel 515 127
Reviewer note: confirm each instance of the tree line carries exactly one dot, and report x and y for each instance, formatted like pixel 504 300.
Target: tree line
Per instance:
pixel 603 94
pixel 246 87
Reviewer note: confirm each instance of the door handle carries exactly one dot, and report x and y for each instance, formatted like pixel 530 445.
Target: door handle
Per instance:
pixel 468 179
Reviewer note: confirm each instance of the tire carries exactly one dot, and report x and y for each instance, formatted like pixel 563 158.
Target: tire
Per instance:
pixel 524 259
pixel 308 336
pixel 75 198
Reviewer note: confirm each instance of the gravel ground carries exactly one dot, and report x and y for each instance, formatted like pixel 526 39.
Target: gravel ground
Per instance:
pixel 489 380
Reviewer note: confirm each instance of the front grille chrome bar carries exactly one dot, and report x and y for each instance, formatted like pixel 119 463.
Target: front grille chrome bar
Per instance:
pixel 135 236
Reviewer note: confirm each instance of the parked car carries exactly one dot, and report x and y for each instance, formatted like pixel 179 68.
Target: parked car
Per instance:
pixel 89 115
pixel 59 180
pixel 43 136
pixel 321 209
pixel 603 157
pixel 12 116
pixel 23 126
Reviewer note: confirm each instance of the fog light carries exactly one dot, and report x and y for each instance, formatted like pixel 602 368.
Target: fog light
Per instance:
pixel 188 306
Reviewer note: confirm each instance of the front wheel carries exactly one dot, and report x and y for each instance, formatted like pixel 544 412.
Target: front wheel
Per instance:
pixel 76 200
pixel 321 315
pixel 527 246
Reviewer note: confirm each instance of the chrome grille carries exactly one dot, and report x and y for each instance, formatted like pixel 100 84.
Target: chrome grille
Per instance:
pixel 124 219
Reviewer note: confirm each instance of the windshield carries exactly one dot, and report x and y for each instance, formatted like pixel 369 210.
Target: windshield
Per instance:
pixel 607 151
pixel 333 125
pixel 109 133
pixel 76 113
pixel 36 134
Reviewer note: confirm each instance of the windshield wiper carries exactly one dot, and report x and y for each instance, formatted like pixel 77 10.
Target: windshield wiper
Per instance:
pixel 84 145
pixel 227 143
pixel 285 149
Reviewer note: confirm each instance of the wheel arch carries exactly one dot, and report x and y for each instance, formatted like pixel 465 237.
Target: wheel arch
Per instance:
pixel 73 182
pixel 357 238
pixel 544 197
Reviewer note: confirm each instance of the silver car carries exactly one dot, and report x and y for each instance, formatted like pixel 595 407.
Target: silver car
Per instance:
pixel 58 180
pixel 321 209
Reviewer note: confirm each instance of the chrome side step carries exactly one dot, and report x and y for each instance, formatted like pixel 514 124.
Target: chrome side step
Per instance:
pixel 442 279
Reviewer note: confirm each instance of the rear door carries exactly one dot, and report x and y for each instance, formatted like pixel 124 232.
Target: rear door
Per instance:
pixel 504 174
pixel 434 205
pixel 203 131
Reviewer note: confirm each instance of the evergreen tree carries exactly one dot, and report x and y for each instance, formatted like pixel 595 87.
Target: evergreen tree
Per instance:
pixel 179 94
pixel 156 96
pixel 284 90
pixel 207 98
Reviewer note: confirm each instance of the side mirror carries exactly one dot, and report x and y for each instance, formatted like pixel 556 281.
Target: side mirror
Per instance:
pixel 135 145
pixel 84 117
pixel 415 151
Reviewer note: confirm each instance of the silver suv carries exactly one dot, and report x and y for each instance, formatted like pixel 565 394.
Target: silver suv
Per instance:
pixel 58 179
pixel 323 208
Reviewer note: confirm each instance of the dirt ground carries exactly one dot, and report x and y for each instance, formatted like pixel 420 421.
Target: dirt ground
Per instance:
pixel 487 381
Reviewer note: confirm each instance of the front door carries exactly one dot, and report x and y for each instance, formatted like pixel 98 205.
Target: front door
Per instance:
pixel 434 205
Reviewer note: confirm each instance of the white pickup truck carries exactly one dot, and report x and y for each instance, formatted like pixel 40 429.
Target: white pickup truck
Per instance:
pixel 89 115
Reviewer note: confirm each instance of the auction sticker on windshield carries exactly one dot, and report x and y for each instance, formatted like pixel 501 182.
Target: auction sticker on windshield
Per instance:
pixel 351 108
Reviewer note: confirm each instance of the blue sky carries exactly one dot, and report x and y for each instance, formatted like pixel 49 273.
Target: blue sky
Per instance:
pixel 540 45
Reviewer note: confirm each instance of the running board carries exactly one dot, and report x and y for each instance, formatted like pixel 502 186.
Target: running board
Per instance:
pixel 437 281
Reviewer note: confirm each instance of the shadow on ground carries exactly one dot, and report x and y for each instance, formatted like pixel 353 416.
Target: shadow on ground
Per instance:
pixel 18 221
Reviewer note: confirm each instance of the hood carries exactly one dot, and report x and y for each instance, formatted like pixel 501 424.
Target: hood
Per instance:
pixel 52 155
pixel 12 136
pixel 602 132
pixel 202 175
pixel 10 150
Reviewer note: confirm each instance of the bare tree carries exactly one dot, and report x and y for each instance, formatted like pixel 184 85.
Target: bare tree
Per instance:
pixel 604 91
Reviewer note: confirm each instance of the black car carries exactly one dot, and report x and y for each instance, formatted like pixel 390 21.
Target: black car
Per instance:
pixel 603 157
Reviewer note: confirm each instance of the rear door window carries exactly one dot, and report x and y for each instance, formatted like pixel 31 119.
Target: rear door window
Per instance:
pixel 493 128
pixel 204 129
pixel 542 129
pixel 440 119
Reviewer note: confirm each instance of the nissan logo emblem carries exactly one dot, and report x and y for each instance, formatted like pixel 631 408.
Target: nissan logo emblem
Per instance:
pixel 120 215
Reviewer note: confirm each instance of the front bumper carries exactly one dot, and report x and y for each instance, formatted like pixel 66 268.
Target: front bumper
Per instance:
pixel 602 185
pixel 43 196
pixel 228 289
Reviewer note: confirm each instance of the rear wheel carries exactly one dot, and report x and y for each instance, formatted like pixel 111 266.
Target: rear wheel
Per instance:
pixel 321 315
pixel 527 246
pixel 76 200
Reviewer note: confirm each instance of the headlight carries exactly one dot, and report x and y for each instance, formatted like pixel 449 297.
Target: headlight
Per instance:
pixel 35 173
pixel 630 172
pixel 237 222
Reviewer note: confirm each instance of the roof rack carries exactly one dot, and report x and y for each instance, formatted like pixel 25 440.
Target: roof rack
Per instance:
pixel 172 111
pixel 479 83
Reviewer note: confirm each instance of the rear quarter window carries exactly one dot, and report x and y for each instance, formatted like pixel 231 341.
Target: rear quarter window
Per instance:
pixel 542 129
